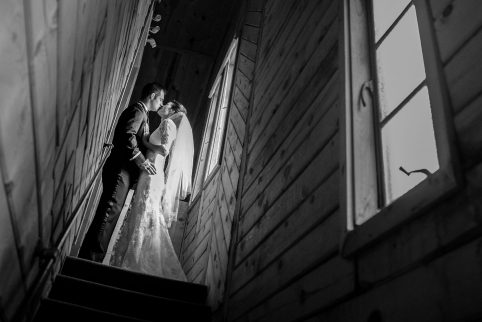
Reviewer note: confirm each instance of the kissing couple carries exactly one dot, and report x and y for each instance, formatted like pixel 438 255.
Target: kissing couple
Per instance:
pixel 143 243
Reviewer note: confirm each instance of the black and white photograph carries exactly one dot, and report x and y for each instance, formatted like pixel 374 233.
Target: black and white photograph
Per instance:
pixel 241 160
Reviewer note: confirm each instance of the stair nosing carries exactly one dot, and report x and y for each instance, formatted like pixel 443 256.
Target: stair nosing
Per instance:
pixel 88 308
pixel 172 300
pixel 120 269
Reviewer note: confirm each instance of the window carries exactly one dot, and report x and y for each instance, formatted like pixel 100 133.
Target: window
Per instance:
pixel 398 154
pixel 214 131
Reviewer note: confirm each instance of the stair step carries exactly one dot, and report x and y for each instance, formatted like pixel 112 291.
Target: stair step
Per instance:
pixel 125 302
pixel 54 310
pixel 134 281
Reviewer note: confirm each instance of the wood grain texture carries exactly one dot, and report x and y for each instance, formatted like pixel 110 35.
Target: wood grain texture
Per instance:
pixel 218 197
pixel 429 264
pixel 60 98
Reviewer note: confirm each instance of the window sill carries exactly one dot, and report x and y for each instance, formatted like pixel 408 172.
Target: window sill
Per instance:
pixel 408 207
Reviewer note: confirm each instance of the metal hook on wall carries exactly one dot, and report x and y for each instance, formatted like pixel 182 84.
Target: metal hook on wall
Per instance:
pixel 408 173
pixel 366 86
pixel 154 30
pixel 151 42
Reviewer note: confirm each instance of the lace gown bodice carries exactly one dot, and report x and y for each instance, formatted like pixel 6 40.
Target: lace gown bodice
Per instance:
pixel 143 243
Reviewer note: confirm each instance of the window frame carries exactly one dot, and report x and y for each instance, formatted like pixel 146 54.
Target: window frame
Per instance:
pixel 220 85
pixel 356 71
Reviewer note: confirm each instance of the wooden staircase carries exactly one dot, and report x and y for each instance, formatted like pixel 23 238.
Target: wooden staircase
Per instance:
pixel 86 290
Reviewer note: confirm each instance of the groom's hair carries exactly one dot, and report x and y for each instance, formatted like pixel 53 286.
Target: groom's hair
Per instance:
pixel 152 88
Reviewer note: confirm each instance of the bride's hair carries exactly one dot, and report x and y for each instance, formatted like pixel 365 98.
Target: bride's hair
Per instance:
pixel 178 107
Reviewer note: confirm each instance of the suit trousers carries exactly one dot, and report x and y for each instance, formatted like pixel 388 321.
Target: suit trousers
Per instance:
pixel 117 179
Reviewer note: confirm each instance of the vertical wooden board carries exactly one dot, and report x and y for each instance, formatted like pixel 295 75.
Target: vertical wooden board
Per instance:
pixel 210 279
pixel 197 257
pixel 236 143
pixel 205 221
pixel 230 192
pixel 59 166
pixel 17 160
pixel 192 217
pixel 241 102
pixel 177 228
pixel 90 95
pixel 219 268
pixel 78 179
pixel 250 33
pixel 246 66
pixel 226 211
pixel 238 122
pixel 72 138
pixel 248 49
pixel 69 183
pixel 80 51
pixel 12 289
pixel 243 83
pixel 93 13
pixel 47 193
pixel 199 237
pixel 42 41
pixel 66 48
pixel 233 172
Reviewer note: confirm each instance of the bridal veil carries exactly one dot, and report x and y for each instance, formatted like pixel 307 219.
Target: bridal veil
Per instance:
pixel 179 168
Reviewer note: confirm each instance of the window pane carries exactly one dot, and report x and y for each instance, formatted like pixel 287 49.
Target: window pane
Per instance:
pixel 204 146
pixel 227 77
pixel 408 140
pixel 385 12
pixel 214 109
pixel 400 67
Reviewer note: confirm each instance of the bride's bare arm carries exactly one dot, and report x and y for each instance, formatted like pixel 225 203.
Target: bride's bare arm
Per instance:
pixel 156 148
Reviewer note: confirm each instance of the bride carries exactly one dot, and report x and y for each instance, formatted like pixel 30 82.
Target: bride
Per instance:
pixel 143 243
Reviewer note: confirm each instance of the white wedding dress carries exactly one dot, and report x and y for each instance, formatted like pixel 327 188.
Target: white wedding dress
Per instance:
pixel 143 242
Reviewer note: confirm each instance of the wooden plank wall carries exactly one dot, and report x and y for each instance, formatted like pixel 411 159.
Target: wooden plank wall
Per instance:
pixel 287 265
pixel 208 231
pixel 64 66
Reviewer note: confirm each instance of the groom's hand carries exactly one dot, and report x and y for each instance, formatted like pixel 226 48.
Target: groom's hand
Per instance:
pixel 148 167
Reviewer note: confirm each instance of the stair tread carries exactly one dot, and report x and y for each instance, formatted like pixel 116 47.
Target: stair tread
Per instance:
pixel 135 281
pixel 122 301
pixel 52 310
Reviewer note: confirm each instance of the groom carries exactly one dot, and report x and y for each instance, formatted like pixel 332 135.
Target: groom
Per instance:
pixel 122 170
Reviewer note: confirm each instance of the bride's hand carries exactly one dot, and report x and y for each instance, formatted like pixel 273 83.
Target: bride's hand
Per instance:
pixel 160 149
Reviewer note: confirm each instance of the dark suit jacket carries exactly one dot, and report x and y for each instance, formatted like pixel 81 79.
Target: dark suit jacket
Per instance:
pixel 128 134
